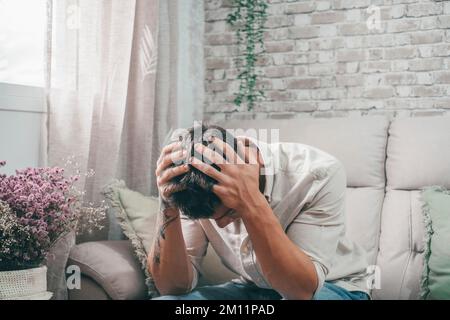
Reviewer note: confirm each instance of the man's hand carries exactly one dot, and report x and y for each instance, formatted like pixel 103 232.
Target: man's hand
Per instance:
pixel 238 178
pixel 167 169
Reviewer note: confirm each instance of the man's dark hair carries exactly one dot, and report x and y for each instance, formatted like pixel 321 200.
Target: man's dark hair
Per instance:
pixel 197 200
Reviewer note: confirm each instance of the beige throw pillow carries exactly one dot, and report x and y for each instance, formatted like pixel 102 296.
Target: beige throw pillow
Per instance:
pixel 136 215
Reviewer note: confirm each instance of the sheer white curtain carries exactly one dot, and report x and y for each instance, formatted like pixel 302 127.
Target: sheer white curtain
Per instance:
pixel 117 82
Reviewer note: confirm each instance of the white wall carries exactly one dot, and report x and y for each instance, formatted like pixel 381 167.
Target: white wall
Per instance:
pixel 22 116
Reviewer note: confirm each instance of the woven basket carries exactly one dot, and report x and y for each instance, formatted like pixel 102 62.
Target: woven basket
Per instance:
pixel 29 284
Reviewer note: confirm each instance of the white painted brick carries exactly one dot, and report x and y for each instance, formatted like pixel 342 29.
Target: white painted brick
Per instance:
pixel 373 80
pixel 355 92
pixel 441 50
pixel 279 72
pixel 349 80
pixel 323 5
pixel 402 25
pixel 424 78
pixel 425 51
pixel 402 39
pixel 354 42
pixel 426 37
pixel 351 55
pixel 327 31
pixel 325 56
pixel 424 9
pixel 277 95
pixel 326 43
pixel 327 17
pixel 400 65
pixel 351 29
pixel 392 12
pixel 384 40
pixel 305 83
pixel 327 82
pixel 302 20
pixel 350 4
pixel 429 23
pixel 279 21
pixel 303 94
pixel 278 84
pixel 303 32
pixel 444 22
pixel 403 91
pixel 443 77
pixel 301 7
pixel 400 53
pixel 301 45
pixel 352 67
pixel 427 91
pixel 328 94
pixel 425 64
pixel 354 15
pixel 276 34
pixel 276 9
pixel 376 54
pixel 322 69
pixel 279 46
pixel 301 71
pixel 375 66
pixel 406 78
pixel 446 9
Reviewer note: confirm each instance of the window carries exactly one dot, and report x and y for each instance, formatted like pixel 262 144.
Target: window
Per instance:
pixel 22 41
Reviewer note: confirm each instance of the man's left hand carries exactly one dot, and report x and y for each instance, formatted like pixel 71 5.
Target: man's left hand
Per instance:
pixel 238 178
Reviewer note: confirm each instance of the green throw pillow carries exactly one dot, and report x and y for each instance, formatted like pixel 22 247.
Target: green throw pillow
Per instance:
pixel 436 274
pixel 136 215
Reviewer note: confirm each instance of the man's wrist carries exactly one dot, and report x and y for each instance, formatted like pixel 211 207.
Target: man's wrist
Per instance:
pixel 166 208
pixel 253 205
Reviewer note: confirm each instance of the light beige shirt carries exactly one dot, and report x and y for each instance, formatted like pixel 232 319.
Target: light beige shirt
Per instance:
pixel 306 191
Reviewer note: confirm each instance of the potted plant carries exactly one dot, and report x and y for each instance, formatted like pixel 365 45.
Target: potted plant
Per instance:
pixel 38 206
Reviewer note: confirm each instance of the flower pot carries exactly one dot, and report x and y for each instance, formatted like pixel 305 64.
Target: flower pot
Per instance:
pixel 28 284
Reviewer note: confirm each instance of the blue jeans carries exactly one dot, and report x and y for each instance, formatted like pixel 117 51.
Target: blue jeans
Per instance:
pixel 238 291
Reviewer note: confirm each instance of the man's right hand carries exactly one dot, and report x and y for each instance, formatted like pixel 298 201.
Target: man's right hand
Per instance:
pixel 169 167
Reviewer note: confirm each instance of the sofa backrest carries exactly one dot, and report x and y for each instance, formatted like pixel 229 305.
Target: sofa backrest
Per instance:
pixel 418 155
pixel 360 144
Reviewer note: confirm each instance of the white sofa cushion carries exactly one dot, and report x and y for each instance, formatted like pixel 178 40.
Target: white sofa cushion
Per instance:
pixel 359 143
pixel 418 153
pixel 363 211
pixel 401 254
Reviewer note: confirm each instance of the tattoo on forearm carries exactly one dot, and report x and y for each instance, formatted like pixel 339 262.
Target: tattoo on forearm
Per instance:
pixel 161 234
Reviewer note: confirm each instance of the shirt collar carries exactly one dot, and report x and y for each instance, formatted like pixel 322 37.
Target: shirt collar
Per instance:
pixel 269 167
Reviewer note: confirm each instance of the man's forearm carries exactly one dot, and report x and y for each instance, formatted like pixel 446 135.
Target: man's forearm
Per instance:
pixel 168 261
pixel 286 267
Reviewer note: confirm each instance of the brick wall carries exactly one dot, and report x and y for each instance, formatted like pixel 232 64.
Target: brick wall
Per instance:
pixel 323 59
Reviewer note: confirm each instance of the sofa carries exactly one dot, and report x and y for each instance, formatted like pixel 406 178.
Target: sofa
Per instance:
pixel 388 162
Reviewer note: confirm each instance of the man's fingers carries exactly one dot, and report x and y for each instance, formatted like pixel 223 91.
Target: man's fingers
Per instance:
pixel 210 154
pixel 171 173
pixel 227 150
pixel 219 190
pixel 173 158
pixel 208 170
pixel 174 146
pixel 249 152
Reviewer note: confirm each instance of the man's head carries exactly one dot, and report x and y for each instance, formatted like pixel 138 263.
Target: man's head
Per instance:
pixel 197 200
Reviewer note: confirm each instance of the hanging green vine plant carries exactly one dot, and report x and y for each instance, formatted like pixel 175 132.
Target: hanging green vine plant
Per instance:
pixel 249 18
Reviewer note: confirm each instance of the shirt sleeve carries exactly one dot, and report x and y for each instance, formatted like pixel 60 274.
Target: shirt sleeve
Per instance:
pixel 317 228
pixel 196 244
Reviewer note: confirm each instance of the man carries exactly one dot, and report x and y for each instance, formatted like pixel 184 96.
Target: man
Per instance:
pixel 274 213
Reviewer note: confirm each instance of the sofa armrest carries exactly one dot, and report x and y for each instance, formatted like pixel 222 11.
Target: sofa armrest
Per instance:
pixel 112 266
